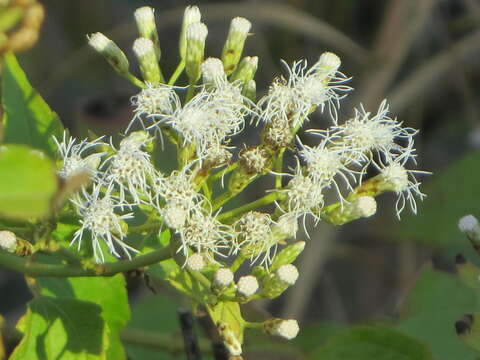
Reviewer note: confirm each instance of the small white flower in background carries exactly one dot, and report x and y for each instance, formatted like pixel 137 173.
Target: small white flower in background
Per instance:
pixel 403 183
pixel 8 241
pixel 468 223
pixel 131 169
pixel 98 217
pixel 254 237
pixel 247 285
pixel 73 157
pixel 154 103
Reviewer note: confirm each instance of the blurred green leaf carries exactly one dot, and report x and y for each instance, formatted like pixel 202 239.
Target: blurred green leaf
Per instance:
pixel 158 315
pixel 452 193
pixel 108 293
pixel 27 182
pixel 315 335
pixel 28 119
pixel 372 342
pixel 431 309
pixel 62 329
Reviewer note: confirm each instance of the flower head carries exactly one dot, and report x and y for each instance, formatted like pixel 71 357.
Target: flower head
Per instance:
pixel 98 217
pixel 73 157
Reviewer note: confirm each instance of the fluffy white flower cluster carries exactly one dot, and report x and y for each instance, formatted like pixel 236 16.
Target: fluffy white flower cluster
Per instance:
pixel 202 127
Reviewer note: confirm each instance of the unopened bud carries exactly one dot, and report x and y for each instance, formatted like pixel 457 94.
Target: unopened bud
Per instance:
pixel 195 262
pixel 233 48
pixel 223 277
pixel 288 274
pixel 247 285
pixel 110 51
pixel 360 207
pixel 328 63
pixel 284 328
pixel 8 241
pixel 191 15
pixel 287 255
pixel 196 36
pixel 145 19
pixel 212 70
pixel 144 50
pixel 246 70
pixel 469 226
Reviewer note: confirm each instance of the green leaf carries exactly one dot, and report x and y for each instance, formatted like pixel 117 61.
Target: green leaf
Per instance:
pixel 436 223
pixel 62 329
pixel 108 293
pixel 157 315
pixel 229 313
pixel 27 182
pixel 372 342
pixel 28 119
pixel 431 309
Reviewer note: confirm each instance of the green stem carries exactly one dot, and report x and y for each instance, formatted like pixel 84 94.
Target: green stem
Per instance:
pixel 237 263
pixel 267 199
pixel 278 168
pixel 178 71
pixel 223 172
pixel 190 92
pixel 200 278
pixel 35 269
pixel 134 80
pixel 253 325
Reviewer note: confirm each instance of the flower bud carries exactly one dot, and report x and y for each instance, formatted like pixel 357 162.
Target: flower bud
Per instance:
pixel 212 70
pixel 328 64
pixel 8 241
pixel 253 160
pixel 284 328
pixel 469 226
pixel 191 15
pixel 222 277
pixel 196 36
pixel 287 274
pixel 246 70
pixel 287 255
pixel 233 48
pixel 145 19
pixel 110 51
pixel 247 286
pixel 195 262
pixel 144 50
pixel 360 207
pixel 274 284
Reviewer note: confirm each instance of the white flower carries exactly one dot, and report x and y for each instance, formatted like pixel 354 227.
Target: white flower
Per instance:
pixel 8 241
pixel 212 71
pixel 204 234
pixel 325 162
pixel 154 102
pixel 367 133
pixel 403 183
pixel 208 118
pixel 130 168
pixel 223 277
pixel 98 217
pixel 72 154
pixel 254 237
pixel 304 196
pixel 195 262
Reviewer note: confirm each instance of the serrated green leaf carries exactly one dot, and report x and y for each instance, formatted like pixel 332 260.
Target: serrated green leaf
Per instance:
pixel 107 292
pixel 372 342
pixel 431 309
pixel 28 119
pixel 62 329
pixel 27 183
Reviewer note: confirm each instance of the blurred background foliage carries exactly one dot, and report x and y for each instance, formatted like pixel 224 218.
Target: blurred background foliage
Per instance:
pixel 420 55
